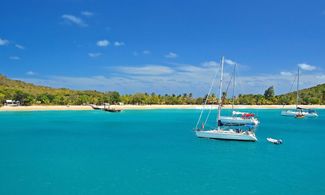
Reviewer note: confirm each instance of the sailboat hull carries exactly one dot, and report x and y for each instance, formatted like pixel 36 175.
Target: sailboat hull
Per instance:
pixel 294 113
pixel 229 120
pixel 226 135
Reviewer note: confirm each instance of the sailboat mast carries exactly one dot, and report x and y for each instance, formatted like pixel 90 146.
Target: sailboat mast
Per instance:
pixel 233 88
pixel 297 98
pixel 220 93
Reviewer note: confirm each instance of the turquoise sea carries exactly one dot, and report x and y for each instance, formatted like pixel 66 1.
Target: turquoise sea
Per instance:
pixel 155 152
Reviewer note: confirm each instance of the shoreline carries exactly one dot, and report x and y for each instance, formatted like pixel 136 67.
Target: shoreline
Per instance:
pixel 150 107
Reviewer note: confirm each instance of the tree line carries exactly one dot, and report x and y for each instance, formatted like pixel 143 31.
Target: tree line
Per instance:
pixel 114 97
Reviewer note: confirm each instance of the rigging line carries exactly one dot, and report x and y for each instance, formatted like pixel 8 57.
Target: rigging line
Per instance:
pixel 229 84
pixel 206 100
pixel 239 87
pixel 207 118
pixel 294 81
pixel 223 99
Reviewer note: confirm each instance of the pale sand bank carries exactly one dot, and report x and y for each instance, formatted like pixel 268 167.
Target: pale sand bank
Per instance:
pixel 39 108
pixel 152 107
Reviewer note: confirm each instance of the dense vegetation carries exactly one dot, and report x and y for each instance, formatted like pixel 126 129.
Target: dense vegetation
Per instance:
pixel 29 94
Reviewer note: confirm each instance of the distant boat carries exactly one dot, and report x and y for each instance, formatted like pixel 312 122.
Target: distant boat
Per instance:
pixel 274 141
pixel 238 118
pixel 222 132
pixel 106 107
pixel 227 134
pixel 112 110
pixel 95 107
pixel 299 112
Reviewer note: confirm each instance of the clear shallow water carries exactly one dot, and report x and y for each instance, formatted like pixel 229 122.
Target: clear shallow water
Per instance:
pixel 155 152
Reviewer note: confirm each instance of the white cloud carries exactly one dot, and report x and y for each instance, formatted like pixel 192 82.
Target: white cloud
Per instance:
pixel 103 43
pixel 166 79
pixel 87 13
pixel 74 20
pixel 209 64
pixel 94 55
pixel 307 67
pixel 14 58
pixel 171 55
pixel 118 44
pixel 19 46
pixel 283 73
pixel 281 83
pixel 239 65
pixel 174 79
pixel 146 70
pixel 30 73
pixel 197 79
pixel 87 82
pixel 177 78
pixel 230 62
pixel 3 42
pixel 146 52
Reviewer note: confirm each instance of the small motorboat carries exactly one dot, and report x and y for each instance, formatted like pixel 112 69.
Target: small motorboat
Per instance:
pixel 274 141
pixel 109 108
pixel 106 107
pixel 112 110
pixel 95 107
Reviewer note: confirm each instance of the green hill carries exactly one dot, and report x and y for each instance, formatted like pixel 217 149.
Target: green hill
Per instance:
pixel 28 94
pixel 312 95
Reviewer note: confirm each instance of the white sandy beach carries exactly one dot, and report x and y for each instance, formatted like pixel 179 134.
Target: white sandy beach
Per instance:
pixel 149 107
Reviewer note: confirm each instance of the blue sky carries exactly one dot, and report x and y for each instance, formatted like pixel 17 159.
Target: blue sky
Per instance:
pixel 162 46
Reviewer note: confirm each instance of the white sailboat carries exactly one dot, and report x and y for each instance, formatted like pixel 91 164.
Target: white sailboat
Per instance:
pixel 299 112
pixel 223 132
pixel 238 118
pixel 227 135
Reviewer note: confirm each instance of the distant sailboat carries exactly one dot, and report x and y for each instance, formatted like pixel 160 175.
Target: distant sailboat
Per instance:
pixel 299 112
pixel 222 132
pixel 238 118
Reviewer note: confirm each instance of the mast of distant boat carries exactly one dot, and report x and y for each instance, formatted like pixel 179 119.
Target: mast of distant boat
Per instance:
pixel 297 98
pixel 233 88
pixel 220 93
